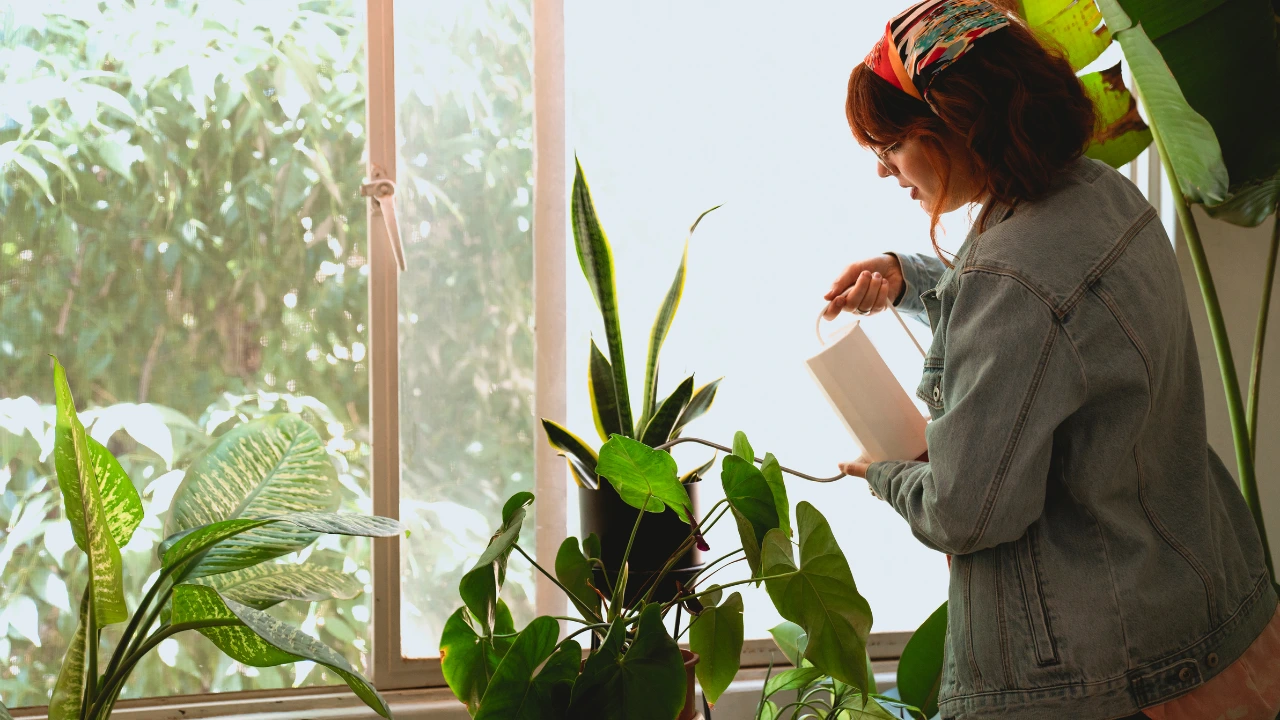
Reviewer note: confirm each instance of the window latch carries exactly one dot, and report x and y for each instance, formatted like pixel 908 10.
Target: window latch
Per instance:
pixel 381 190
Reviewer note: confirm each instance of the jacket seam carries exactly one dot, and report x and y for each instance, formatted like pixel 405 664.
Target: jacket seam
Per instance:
pixel 1013 275
pixel 1109 259
pixel 968 610
pixel 1001 617
pixel 1106 552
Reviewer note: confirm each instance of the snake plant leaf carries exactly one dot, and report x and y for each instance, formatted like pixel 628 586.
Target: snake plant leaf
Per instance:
pixel 663 422
pixel 481 584
pixel 920 669
pixel 574 571
pixel 644 478
pixel 604 396
pixel 1250 204
pixel 468 659
pixel 1075 26
pixel 820 597
pixel 696 474
pixel 511 694
pixel 645 683
pixel 716 636
pixel 265 585
pixel 581 458
pixel 68 691
pixel 772 472
pixel 1187 137
pixel 662 325
pixel 750 547
pixel 1122 135
pixel 750 495
pixel 698 405
pixel 793 679
pixel 596 258
pixel 271 467
pixel 791 639
pixel 86 508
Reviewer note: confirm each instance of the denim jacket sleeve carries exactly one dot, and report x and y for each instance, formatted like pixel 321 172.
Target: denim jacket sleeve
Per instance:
pixel 1010 377
pixel 919 273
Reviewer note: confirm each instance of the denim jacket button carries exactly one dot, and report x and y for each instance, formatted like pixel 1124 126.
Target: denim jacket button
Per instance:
pixel 1185 675
pixel 937 393
pixel 1212 660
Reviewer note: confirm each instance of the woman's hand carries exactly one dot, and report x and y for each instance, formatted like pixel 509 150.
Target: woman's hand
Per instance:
pixel 857 468
pixel 865 287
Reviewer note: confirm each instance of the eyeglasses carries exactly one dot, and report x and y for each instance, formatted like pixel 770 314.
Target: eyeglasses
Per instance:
pixel 882 155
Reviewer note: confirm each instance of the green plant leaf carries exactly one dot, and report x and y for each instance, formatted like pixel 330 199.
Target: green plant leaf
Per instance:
pixel 591 546
pixel 1076 26
pixel 1251 204
pixel 772 472
pixel 710 597
pixel 33 170
pixel 573 570
pixel 604 396
pixel 197 603
pixel 768 710
pixel 265 585
pixel 595 256
pixel 716 636
pixel 742 447
pixel 791 639
pixel 1122 134
pixel 698 405
pixel 68 691
pixel 858 707
pixel 644 478
pixel 272 467
pixel 515 694
pixel 480 585
pixel 750 495
pixel 793 679
pixel 467 659
pixel 514 504
pixel 85 507
pixel 820 597
pixel 920 669
pixel 750 547
pixel 581 458
pixel 1188 138
pixel 4 713
pixel 696 474
pixel 663 422
pixel 646 683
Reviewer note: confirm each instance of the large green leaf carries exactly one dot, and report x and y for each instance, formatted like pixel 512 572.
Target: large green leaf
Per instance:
pixel 1075 26
pixel 4 713
pixel 197 603
pixel 468 659
pixel 68 691
pixel 596 258
pixel 573 570
pixel 515 693
pixel 716 636
pixel 644 478
pixel 742 447
pixel 262 586
pixel 920 669
pixel 87 511
pixel 1122 134
pixel 1187 137
pixel 480 585
pixel 275 466
pixel 646 683
pixel 698 405
pixel 750 495
pixel 663 422
pixel 791 639
pixel 604 396
pixel 857 707
pixel 820 597
pixel 1250 204
pixel 581 458
pixel 772 472
pixel 750 547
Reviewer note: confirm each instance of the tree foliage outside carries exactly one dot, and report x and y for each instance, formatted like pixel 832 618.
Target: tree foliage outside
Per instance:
pixel 180 224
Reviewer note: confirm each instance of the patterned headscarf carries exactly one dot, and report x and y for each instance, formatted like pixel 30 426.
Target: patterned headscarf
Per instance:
pixel 927 37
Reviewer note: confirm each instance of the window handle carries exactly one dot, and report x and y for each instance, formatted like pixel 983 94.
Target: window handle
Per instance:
pixel 381 190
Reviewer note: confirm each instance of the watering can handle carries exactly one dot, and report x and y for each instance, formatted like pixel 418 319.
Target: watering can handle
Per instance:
pixel 903 323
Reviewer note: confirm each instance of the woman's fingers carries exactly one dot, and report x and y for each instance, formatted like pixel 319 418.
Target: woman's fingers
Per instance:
pixel 870 300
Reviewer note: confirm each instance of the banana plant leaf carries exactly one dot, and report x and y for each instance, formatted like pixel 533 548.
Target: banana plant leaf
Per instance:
pixel 920 669
pixel 1074 26
pixel 1122 134
pixel 481 584
pixel 604 396
pixel 644 683
pixel 663 421
pixel 644 478
pixel 716 636
pixel 469 659
pixel 698 405
pixel 68 691
pixel 265 585
pixel 595 256
pixel 581 458
pixel 574 571
pixel 516 693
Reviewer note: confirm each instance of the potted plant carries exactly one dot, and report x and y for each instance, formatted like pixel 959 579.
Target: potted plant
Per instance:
pixel 602 512
pixel 264 490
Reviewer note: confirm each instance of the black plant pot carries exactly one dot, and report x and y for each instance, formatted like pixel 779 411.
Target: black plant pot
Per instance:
pixel 604 513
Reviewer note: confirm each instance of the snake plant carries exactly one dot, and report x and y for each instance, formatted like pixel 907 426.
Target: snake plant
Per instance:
pixel 658 421
pixel 264 490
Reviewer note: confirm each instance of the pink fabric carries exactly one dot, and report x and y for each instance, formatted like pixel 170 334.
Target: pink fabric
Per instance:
pixel 1249 689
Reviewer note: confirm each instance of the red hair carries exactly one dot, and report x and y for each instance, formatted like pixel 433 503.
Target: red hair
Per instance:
pixel 1016 106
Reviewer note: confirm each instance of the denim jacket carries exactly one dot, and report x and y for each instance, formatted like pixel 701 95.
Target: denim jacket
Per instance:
pixel 1103 557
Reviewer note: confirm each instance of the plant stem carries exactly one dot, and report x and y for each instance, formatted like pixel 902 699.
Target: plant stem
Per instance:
pixel 620 590
pixel 683 598
pixel 550 577
pixel 88 693
pixel 712 564
pixel 1222 344
pixel 127 639
pixel 1260 336
pixel 579 631
pixel 653 582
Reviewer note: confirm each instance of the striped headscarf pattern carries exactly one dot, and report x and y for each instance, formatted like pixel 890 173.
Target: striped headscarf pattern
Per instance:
pixel 927 37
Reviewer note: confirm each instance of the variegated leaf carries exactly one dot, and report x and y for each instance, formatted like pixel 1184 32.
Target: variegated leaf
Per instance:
pixel 581 458
pixel 64 704
pixel 603 394
pixel 196 603
pixel 698 405
pixel 663 422
pixel 262 586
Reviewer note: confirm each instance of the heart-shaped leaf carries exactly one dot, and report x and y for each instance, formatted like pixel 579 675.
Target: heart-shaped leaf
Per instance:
pixel 750 495
pixel 468 659
pixel 574 571
pixel 581 458
pixel 265 585
pixel 820 597
pixel 644 478
pixel 604 397
pixel 515 693
pixel 742 447
pixel 920 669
pixel 646 683
pixel 791 639
pixel 662 423
pixel 772 472
pixel 480 586
pixel 716 636
pixel 750 548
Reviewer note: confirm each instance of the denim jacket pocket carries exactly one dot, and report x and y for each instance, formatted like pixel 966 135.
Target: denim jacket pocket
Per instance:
pixel 1033 600
pixel 930 388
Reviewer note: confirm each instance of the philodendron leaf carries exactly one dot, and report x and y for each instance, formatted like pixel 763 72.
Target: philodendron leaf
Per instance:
pixel 663 421
pixel 582 459
pixel 772 472
pixel 603 394
pixel 793 679
pixel 591 546
pixel 742 447
pixel 573 570
pixel 68 691
pixel 820 597
pixel 596 259
pixel 1121 135
pixel 920 669
pixel 646 683
pixel 1188 140
pixel 1075 26
pixel 791 639
pixel 86 507
pixel 644 478
pixel 698 405
pixel 271 467
pixel 467 659
pixel 265 585
pixel 716 636
pixel 515 694
pixel 750 495
pixel 480 586
pixel 750 548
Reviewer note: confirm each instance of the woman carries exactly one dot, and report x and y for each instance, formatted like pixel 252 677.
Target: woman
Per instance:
pixel 1103 561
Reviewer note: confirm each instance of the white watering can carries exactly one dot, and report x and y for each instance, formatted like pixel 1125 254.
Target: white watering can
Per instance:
pixel 862 390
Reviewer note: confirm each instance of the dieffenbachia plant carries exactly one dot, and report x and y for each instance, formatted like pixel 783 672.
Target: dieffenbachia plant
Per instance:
pixel 493 668
pixel 657 422
pixel 265 490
